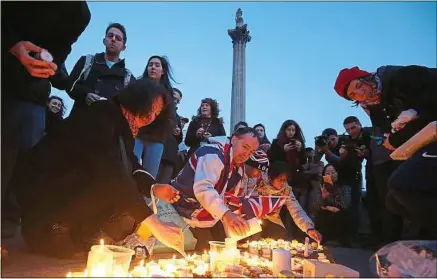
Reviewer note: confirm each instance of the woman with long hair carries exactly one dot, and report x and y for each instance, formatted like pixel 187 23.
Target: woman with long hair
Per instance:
pixel 149 145
pixel 67 203
pixel 54 113
pixel 204 125
pixel 289 146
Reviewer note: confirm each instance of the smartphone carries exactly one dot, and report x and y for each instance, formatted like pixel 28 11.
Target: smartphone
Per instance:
pixel 328 179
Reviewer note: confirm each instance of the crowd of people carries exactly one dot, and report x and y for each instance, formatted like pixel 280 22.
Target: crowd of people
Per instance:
pixel 67 182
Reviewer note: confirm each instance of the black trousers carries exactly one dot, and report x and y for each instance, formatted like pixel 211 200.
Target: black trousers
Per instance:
pixel 205 235
pixel 334 225
pixel 22 127
pixel 413 192
pixel 385 225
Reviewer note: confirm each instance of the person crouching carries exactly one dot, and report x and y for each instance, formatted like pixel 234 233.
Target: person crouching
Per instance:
pixel 275 184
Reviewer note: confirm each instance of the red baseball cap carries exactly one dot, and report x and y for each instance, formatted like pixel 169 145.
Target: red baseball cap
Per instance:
pixel 345 76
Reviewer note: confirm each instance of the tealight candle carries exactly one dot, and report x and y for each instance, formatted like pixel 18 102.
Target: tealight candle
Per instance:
pixel 205 257
pixel 266 251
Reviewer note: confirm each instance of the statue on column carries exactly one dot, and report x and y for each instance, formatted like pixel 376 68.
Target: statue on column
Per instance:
pixel 239 18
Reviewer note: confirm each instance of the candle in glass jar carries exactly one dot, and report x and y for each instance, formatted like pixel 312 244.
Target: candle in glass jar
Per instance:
pixel 100 260
pixel 266 251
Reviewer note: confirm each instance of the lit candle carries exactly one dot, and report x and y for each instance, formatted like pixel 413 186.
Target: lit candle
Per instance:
pixel 306 252
pixel 266 251
pixel 205 257
pixel 281 259
pixel 100 260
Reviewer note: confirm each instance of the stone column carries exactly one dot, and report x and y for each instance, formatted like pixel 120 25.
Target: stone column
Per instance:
pixel 240 37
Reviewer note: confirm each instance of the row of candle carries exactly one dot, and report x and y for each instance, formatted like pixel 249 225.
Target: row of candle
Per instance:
pixel 223 257
pixel 265 247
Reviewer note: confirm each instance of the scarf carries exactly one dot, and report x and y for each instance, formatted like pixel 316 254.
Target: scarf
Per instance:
pixel 130 118
pixel 375 95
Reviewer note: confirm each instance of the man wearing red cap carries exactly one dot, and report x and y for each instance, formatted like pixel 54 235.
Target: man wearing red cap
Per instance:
pixel 401 101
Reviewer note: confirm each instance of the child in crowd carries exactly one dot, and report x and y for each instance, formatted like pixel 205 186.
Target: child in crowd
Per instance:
pixel 275 184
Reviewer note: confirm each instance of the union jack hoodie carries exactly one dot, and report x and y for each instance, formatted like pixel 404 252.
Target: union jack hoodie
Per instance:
pixel 203 182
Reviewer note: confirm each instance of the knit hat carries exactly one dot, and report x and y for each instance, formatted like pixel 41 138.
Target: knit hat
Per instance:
pixel 259 160
pixel 345 77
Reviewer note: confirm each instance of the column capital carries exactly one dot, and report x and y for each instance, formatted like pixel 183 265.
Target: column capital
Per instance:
pixel 240 34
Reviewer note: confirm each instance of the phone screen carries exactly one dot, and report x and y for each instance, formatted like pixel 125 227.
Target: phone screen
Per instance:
pixel 328 179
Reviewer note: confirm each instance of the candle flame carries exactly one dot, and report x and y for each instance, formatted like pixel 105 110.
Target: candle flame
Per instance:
pixel 174 257
pixel 69 275
pixel 102 242
pixel 85 273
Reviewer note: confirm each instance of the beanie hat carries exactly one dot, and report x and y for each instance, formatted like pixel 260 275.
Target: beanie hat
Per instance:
pixel 259 160
pixel 345 77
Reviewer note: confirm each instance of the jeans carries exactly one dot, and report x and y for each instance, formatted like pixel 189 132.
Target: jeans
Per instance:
pixel 22 126
pixel 149 155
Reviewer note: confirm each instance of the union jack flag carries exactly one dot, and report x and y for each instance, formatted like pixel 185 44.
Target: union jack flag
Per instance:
pixel 249 208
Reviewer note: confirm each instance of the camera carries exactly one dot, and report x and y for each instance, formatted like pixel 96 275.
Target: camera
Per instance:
pixel 321 141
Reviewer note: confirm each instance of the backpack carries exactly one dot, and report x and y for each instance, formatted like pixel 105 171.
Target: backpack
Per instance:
pixel 89 61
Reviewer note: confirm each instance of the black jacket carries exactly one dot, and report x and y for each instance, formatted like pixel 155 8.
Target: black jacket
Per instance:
pixel 216 129
pixel 277 153
pixel 52 120
pixel 54 26
pixel 171 146
pixel 81 174
pixel 403 88
pixel 102 80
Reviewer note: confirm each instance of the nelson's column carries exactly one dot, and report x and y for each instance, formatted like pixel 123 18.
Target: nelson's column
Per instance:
pixel 240 36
